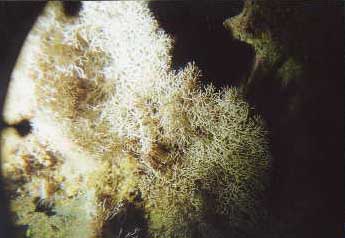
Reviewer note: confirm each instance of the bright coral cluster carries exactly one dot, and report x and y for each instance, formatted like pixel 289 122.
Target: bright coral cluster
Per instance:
pixel 113 124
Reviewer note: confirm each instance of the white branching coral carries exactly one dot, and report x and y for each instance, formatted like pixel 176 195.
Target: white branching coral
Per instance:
pixel 113 120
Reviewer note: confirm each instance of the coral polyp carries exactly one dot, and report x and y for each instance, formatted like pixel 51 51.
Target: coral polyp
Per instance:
pixel 114 125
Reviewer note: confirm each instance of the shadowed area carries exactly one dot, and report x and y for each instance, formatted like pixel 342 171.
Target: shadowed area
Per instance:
pixel 72 8
pixel 305 116
pixel 200 36
pixel 130 221
pixel 16 20
pixel 305 113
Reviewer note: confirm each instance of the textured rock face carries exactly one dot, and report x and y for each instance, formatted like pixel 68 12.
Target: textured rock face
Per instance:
pixel 117 132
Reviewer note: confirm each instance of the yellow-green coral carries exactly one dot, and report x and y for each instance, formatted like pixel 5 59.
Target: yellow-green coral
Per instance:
pixel 224 167
pixel 123 127
pixel 251 26
pixel 290 71
pixel 275 31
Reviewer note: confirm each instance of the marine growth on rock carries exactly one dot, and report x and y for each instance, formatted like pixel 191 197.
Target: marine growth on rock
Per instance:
pixel 116 129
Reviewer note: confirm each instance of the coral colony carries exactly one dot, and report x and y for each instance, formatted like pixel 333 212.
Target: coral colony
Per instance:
pixel 116 130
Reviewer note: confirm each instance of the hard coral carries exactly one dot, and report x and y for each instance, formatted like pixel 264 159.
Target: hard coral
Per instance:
pixel 125 128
